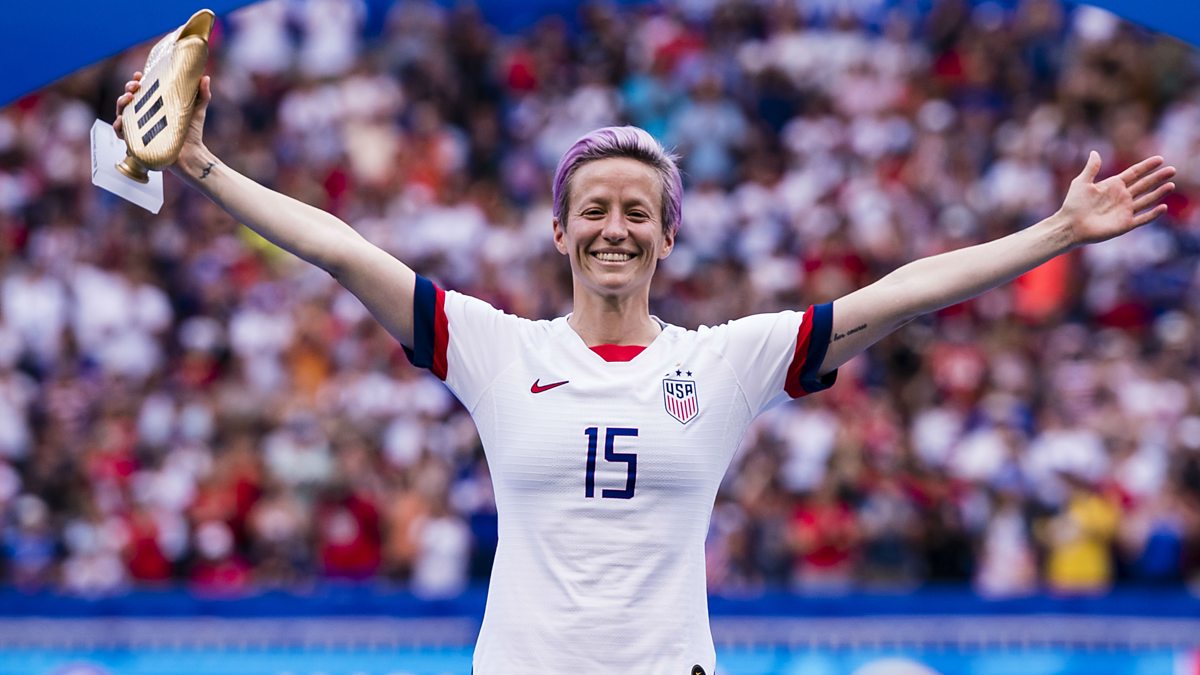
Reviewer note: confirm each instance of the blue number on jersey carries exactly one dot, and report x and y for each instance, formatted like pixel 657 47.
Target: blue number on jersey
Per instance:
pixel 610 455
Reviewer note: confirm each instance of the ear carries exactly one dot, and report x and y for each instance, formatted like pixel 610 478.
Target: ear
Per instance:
pixel 559 234
pixel 668 245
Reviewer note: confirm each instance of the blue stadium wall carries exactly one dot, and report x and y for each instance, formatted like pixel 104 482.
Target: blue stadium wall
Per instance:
pixel 53 38
pixel 365 629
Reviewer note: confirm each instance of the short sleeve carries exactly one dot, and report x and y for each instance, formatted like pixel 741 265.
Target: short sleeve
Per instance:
pixel 462 340
pixel 778 356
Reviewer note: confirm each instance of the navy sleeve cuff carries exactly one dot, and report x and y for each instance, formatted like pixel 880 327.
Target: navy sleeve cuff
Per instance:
pixel 818 343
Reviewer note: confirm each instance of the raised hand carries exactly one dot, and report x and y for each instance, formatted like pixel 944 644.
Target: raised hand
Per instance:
pixel 125 99
pixel 1118 204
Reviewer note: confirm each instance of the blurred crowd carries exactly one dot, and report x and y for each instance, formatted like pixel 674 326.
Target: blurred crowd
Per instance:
pixel 181 402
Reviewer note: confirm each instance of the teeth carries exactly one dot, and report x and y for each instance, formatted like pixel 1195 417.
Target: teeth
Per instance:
pixel 614 257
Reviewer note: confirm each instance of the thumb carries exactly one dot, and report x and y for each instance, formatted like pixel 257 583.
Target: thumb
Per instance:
pixel 1091 169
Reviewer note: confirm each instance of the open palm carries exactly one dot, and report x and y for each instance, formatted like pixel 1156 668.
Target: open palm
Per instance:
pixel 1118 204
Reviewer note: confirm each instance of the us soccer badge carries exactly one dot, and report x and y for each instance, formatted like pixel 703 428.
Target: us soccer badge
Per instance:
pixel 679 397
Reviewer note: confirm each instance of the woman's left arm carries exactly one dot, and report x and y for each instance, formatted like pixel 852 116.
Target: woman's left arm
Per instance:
pixel 1091 212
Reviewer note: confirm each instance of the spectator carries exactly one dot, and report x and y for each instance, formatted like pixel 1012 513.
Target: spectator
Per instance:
pixel 1007 557
pixel 444 548
pixel 219 570
pixel 347 529
pixel 827 536
pixel 1079 540
pixel 174 398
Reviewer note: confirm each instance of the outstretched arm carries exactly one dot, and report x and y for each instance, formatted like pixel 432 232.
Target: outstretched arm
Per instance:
pixel 1091 212
pixel 383 283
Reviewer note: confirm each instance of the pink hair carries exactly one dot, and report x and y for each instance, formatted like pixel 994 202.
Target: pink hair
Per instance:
pixel 630 142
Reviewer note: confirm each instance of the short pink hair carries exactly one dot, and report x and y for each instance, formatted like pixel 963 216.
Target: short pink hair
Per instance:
pixel 630 142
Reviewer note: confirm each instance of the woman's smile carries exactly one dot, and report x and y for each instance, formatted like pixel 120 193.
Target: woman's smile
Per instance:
pixel 614 235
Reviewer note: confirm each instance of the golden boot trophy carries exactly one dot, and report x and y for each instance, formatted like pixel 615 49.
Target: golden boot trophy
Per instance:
pixel 155 123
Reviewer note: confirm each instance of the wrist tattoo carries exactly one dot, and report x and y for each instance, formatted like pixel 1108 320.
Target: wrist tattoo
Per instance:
pixel 207 170
pixel 852 331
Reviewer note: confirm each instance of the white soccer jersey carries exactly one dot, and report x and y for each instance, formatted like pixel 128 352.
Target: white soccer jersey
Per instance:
pixel 605 473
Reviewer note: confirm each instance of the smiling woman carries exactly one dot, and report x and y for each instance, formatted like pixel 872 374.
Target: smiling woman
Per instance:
pixel 614 238
pixel 608 431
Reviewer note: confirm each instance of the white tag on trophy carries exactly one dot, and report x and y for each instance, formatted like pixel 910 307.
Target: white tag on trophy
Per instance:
pixel 107 152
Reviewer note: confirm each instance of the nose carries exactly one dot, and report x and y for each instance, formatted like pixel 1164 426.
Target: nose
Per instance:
pixel 615 227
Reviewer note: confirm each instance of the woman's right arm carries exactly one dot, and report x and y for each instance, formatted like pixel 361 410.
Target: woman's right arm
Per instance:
pixel 383 283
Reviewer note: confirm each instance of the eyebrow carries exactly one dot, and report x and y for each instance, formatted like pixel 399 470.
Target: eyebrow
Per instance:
pixel 586 201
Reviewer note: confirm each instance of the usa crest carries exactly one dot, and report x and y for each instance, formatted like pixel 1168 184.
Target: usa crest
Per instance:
pixel 679 398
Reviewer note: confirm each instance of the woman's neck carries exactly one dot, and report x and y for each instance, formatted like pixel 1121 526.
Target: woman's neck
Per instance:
pixel 613 321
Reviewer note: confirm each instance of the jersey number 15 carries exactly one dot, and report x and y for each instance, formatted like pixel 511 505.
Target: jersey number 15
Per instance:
pixel 610 455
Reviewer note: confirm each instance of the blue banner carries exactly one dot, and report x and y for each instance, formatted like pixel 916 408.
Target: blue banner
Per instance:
pixel 237 660
pixel 1181 19
pixel 42 41
pixel 350 599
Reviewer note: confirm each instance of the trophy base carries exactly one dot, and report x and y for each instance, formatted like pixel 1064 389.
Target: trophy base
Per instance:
pixel 132 169
pixel 109 171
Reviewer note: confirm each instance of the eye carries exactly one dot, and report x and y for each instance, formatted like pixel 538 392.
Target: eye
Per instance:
pixel 592 213
pixel 638 215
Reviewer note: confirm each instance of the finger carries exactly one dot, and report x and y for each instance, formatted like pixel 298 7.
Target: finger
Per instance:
pixel 1147 216
pixel 1143 202
pixel 204 95
pixel 1133 173
pixel 137 75
pixel 1091 168
pixel 1148 183
pixel 122 101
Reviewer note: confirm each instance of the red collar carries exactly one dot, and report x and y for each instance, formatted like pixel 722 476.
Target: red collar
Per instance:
pixel 618 352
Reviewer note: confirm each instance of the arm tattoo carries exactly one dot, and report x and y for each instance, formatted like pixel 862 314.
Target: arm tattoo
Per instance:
pixel 852 331
pixel 207 170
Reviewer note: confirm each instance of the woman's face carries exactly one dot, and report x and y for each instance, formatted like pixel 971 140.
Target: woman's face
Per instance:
pixel 614 235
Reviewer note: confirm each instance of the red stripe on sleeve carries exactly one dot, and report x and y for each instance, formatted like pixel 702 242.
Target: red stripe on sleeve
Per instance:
pixel 441 335
pixel 792 384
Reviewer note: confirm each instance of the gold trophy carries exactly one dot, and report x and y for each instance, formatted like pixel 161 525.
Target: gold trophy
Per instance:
pixel 156 121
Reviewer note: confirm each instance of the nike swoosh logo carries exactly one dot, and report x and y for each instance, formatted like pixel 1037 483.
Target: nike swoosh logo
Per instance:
pixel 539 388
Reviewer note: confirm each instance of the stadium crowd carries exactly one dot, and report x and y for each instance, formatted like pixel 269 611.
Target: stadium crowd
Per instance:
pixel 182 402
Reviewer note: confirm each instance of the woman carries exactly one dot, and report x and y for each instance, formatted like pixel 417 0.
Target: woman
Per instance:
pixel 607 431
